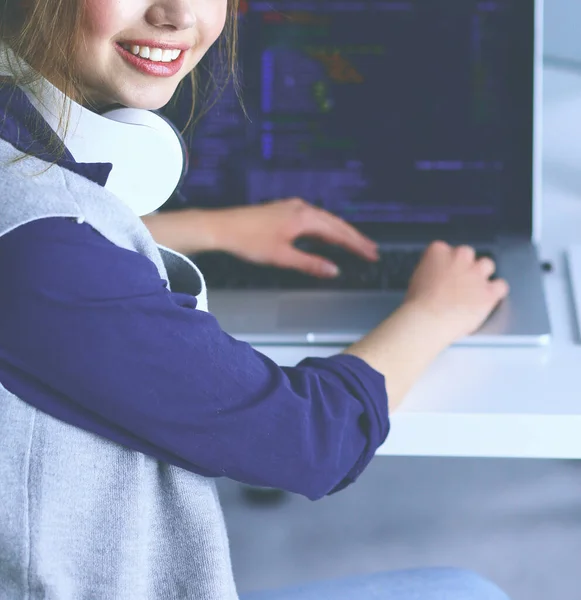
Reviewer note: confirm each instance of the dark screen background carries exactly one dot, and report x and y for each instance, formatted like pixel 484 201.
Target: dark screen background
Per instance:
pixel 404 113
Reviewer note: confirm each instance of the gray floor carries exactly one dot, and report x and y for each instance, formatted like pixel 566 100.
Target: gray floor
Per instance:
pixel 517 522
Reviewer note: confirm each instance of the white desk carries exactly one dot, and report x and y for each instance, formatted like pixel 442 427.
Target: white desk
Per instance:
pixel 514 402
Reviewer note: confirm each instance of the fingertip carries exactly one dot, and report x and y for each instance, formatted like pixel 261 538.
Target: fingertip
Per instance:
pixel 329 270
pixel 466 252
pixel 439 245
pixel 374 255
pixel 438 248
pixel 502 287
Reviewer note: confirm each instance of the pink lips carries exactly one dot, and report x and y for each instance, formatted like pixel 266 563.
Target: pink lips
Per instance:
pixel 149 67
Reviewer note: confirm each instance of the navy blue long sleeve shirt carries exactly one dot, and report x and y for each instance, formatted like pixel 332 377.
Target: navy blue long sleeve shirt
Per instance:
pixel 90 334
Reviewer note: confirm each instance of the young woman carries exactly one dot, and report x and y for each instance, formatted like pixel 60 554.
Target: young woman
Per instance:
pixel 121 399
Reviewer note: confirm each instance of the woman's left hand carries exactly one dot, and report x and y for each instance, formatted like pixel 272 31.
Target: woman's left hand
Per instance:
pixel 266 233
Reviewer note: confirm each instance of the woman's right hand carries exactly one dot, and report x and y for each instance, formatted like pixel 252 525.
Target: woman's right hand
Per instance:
pixel 453 286
pixel 450 296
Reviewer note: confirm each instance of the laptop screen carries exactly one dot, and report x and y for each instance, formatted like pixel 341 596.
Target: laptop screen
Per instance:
pixel 399 116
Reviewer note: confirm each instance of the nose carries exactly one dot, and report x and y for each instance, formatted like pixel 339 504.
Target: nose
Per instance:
pixel 171 14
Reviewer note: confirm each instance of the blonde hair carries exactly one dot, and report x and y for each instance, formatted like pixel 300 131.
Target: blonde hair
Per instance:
pixel 46 34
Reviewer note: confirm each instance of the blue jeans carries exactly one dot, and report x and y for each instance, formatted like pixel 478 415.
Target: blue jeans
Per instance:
pixel 422 584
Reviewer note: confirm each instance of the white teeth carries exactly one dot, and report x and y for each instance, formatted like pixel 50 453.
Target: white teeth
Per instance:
pixel 153 54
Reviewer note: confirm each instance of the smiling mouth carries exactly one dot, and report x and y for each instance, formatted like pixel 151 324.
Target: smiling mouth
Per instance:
pixel 153 54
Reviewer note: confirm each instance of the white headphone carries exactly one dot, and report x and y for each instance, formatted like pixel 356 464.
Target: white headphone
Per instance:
pixel 148 154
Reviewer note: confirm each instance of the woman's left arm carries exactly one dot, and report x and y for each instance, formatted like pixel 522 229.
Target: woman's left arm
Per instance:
pixel 263 234
pixel 189 231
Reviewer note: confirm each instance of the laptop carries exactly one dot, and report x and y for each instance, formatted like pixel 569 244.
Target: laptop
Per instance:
pixel 413 120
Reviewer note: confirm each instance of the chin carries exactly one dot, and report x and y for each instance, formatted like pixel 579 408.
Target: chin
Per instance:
pixel 148 99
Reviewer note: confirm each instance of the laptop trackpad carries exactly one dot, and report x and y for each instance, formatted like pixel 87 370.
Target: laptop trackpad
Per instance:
pixel 351 312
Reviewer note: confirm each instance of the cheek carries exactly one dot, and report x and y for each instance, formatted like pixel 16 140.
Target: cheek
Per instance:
pixel 102 18
pixel 212 17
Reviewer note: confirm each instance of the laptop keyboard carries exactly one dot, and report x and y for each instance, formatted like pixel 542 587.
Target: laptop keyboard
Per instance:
pixel 391 273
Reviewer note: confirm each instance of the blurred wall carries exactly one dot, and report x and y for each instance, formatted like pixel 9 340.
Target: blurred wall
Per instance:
pixel 563 29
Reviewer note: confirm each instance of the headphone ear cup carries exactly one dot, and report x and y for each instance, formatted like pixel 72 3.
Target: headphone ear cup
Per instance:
pixel 150 159
pixel 184 146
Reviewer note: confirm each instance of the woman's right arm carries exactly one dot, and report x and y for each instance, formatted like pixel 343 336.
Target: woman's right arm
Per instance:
pixel 90 334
